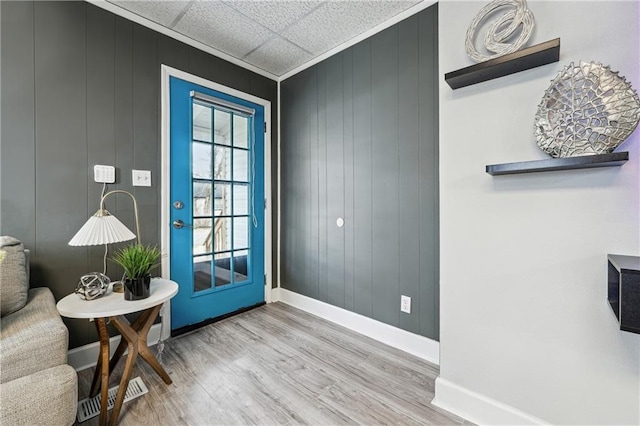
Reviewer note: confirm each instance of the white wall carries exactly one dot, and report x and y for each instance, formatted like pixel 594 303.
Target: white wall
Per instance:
pixel 524 318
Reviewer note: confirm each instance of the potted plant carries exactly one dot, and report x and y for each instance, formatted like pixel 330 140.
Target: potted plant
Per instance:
pixel 137 261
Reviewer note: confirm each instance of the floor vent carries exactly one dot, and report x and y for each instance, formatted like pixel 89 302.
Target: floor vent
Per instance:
pixel 90 407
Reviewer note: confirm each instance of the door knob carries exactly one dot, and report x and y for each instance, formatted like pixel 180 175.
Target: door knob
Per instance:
pixel 178 224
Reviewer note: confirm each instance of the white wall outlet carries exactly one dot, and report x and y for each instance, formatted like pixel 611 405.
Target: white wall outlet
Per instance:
pixel 141 177
pixel 104 174
pixel 405 304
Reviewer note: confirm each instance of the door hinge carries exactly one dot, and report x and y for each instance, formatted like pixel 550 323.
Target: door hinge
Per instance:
pixel 265 127
pixel 265 280
pixel 265 203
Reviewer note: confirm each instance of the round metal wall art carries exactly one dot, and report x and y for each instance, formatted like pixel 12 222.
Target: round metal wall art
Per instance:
pixel 92 285
pixel 502 30
pixel 587 110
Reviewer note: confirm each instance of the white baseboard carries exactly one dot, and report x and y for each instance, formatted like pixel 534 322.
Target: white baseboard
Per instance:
pixel 479 408
pixel 420 346
pixel 414 344
pixel 86 356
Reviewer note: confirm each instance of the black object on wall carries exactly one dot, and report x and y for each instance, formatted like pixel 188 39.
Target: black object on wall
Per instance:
pixel 521 60
pixel 360 141
pixel 613 159
pixel 81 86
pixel 623 290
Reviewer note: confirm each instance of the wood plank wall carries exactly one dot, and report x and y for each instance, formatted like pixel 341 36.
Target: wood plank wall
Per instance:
pixel 360 141
pixel 81 86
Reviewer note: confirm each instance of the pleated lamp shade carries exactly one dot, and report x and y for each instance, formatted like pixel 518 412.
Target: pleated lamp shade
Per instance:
pixel 101 228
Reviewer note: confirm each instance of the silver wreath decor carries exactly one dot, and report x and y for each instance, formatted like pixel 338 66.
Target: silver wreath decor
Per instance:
pixel 92 285
pixel 502 30
pixel 588 109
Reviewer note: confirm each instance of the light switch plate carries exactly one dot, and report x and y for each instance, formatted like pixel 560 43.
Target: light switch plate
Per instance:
pixel 141 177
pixel 104 174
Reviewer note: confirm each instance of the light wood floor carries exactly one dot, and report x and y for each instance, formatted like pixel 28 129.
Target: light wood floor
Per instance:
pixel 279 365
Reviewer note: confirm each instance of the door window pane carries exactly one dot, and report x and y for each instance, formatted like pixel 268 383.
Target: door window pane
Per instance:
pixel 222 124
pixel 240 199
pixel 222 203
pixel 222 234
pixel 240 131
pixel 202 242
pixel 202 198
pixel 241 165
pixel 222 159
pixel 240 266
pixel 201 123
pixel 240 232
pixel 223 268
pixel 201 273
pixel 201 160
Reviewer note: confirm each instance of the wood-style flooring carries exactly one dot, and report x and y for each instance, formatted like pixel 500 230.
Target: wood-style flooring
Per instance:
pixel 277 365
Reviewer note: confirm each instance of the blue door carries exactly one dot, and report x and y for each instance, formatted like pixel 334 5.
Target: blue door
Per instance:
pixel 217 203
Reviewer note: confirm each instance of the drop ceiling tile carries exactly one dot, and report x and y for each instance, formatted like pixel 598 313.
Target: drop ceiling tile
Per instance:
pixel 223 28
pixel 278 56
pixel 338 21
pixel 275 15
pixel 161 12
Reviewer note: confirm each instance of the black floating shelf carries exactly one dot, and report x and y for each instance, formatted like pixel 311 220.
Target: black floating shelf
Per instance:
pixel 530 57
pixel 623 290
pixel 569 163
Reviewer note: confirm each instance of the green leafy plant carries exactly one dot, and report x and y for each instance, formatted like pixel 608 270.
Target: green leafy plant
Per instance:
pixel 137 260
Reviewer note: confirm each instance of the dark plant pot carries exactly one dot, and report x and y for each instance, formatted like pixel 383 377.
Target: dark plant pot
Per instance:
pixel 137 288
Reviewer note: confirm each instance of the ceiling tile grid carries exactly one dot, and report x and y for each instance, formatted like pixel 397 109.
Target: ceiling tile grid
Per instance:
pixel 274 35
pixel 223 28
pixel 278 55
pixel 338 21
pixel 275 15
pixel 160 12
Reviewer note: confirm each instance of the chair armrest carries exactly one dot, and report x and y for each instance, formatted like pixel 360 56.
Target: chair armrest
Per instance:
pixel 48 397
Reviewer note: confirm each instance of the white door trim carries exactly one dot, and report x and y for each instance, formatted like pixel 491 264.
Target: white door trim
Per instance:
pixel 165 197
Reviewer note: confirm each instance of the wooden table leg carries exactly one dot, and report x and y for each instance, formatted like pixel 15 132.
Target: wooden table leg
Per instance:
pixel 95 382
pixel 131 337
pixel 136 325
pixel 135 336
pixel 102 370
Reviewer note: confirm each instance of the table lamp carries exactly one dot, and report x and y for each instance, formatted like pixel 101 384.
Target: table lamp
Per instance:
pixel 104 228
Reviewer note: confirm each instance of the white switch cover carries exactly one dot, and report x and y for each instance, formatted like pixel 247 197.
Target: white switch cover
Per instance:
pixel 104 174
pixel 405 304
pixel 141 177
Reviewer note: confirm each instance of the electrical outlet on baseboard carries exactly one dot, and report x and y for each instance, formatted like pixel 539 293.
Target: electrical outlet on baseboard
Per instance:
pixel 405 304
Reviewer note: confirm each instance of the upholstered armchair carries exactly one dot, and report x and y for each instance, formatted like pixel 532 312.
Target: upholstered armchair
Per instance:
pixel 37 387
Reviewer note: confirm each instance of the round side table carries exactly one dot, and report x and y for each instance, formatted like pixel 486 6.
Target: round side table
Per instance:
pixel 112 307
